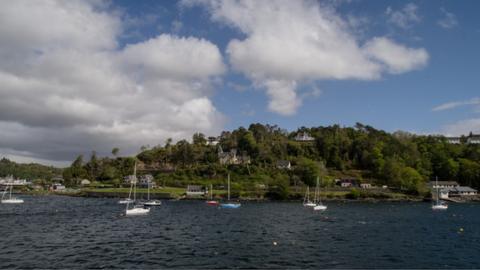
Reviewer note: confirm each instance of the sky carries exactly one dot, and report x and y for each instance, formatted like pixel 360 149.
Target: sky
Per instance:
pixel 83 76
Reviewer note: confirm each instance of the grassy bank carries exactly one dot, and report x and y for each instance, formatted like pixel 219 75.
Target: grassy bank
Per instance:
pixel 179 193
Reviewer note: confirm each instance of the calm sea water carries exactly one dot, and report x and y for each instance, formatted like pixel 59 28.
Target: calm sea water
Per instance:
pixel 65 232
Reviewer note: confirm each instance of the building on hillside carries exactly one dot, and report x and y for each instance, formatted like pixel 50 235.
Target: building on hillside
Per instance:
pixel 10 181
pixel 231 157
pixel 213 141
pixel 365 185
pixel 462 191
pixel 453 140
pixel 243 159
pixel 146 180
pixel 443 193
pixel 226 158
pixel 85 182
pixel 58 187
pixel 347 182
pixel 444 184
pixel 473 139
pixel 196 190
pixel 284 165
pixel 129 179
pixel 303 137
pixel 458 191
pixel 470 139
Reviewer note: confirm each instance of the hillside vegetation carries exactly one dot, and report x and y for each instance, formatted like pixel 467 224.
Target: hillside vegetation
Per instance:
pixel 400 160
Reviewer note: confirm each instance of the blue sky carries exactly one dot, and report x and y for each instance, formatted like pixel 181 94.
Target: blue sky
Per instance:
pixel 394 102
pixel 79 76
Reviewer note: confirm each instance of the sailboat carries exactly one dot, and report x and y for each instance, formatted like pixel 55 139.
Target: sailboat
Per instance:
pixel 212 201
pixel 137 209
pixel 10 198
pixel 128 200
pixel 318 203
pixel 439 205
pixel 229 204
pixel 306 199
pixel 151 202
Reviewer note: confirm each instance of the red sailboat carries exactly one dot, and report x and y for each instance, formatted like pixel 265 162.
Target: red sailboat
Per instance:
pixel 212 201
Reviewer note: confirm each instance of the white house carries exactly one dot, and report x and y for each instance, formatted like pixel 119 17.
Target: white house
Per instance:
pixel 304 137
pixel 459 191
pixel 58 187
pixel 463 191
pixel 85 182
pixel 453 140
pixel 195 190
pixel 212 141
pixel 443 194
pixel 444 184
pixel 365 185
pixel 146 180
pixel 473 139
pixel 129 179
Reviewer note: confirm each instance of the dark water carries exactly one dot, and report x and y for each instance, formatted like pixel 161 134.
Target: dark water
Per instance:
pixel 64 232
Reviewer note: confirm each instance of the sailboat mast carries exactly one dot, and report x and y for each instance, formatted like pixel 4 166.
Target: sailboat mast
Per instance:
pixel 436 184
pixel 211 192
pixel 229 187
pixel 148 190
pixel 135 181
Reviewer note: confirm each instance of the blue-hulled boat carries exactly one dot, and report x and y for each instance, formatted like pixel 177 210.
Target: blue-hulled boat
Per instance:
pixel 229 204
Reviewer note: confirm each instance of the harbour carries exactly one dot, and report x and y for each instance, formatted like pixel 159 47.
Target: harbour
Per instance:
pixel 65 232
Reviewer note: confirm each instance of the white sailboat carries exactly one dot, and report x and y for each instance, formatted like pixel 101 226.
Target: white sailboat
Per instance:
pixel 151 202
pixel 438 205
pixel 306 199
pixel 318 203
pixel 229 204
pixel 10 199
pixel 137 209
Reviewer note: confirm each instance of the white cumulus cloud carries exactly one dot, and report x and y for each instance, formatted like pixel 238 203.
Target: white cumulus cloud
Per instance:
pixel 288 43
pixel 66 87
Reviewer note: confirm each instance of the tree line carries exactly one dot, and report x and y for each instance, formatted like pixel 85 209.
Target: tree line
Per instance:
pixel 400 160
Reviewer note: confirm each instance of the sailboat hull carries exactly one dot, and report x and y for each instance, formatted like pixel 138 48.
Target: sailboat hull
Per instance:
pixel 320 208
pixel 153 203
pixel 230 205
pixel 125 201
pixel 12 201
pixel 212 203
pixel 309 205
pixel 440 207
pixel 137 211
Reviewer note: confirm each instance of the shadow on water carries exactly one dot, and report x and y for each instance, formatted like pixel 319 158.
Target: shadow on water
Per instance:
pixel 64 232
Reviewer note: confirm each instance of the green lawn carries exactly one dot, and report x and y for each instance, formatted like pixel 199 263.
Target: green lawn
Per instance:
pixel 172 190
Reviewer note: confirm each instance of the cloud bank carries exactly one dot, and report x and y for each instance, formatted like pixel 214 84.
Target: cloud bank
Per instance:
pixel 67 86
pixel 288 43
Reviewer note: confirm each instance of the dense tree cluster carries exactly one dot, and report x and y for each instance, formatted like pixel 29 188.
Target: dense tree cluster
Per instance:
pixel 27 171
